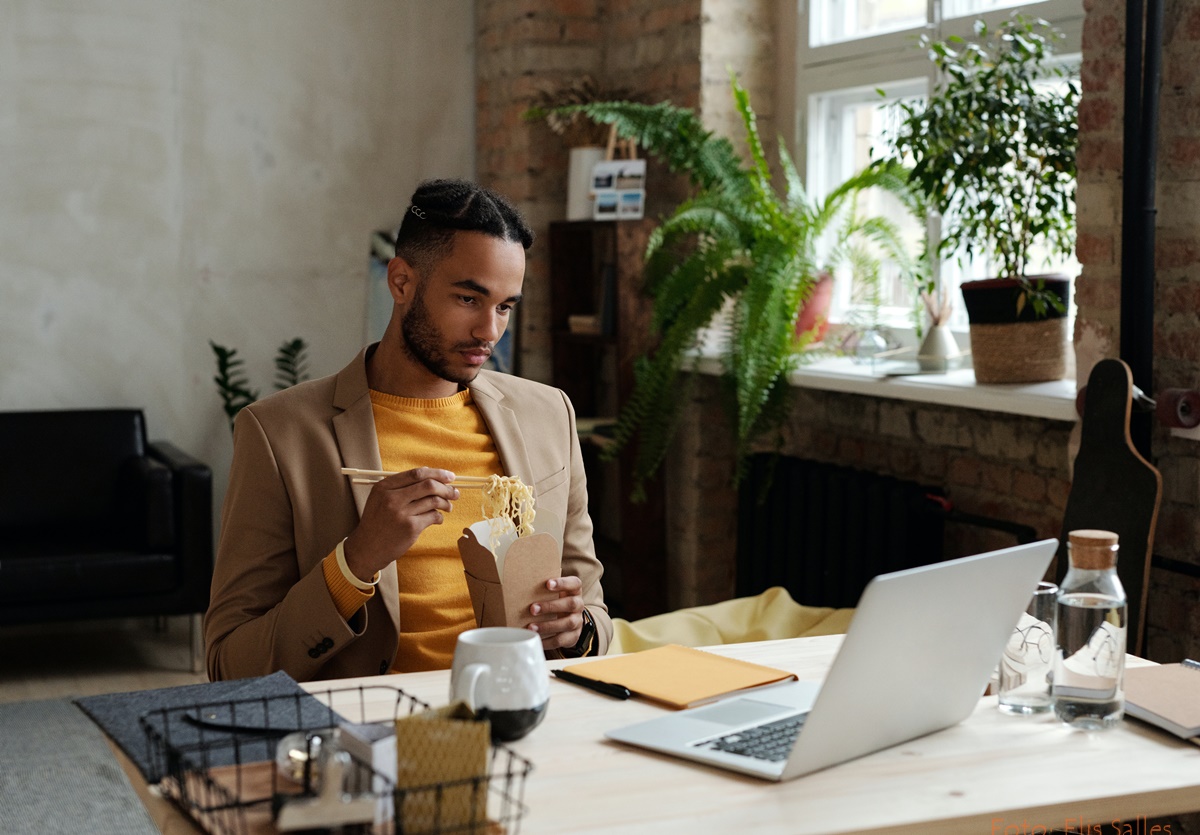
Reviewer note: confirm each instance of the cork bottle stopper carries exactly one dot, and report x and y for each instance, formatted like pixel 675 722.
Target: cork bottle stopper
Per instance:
pixel 1093 550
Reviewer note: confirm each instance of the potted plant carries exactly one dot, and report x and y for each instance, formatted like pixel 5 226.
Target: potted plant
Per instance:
pixel 993 151
pixel 584 138
pixel 737 246
pixel 233 386
pixel 863 261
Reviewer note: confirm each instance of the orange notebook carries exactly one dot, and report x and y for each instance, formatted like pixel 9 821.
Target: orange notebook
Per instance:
pixel 678 676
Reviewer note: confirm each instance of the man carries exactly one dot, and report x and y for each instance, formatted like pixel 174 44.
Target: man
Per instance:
pixel 327 579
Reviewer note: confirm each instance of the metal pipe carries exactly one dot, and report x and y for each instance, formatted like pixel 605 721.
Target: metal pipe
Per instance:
pixel 1143 79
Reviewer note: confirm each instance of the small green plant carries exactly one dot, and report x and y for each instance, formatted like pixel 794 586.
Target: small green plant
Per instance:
pixel 291 364
pixel 993 149
pixel 233 386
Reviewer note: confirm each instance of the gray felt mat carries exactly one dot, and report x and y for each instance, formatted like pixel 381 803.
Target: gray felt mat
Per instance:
pixel 260 709
pixel 58 775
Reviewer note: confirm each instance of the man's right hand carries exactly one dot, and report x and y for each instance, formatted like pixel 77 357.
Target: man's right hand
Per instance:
pixel 398 509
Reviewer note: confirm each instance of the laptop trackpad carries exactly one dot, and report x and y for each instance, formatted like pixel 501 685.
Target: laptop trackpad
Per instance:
pixel 742 712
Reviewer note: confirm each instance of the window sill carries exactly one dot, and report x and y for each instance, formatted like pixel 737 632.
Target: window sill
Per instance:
pixel 1053 400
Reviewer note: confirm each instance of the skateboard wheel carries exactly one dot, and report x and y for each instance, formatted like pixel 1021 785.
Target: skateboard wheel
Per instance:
pixel 1179 408
pixel 1080 400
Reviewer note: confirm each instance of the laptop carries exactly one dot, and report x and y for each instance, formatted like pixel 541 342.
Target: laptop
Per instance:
pixel 916 659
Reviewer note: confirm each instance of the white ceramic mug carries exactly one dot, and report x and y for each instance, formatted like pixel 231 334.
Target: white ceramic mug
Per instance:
pixel 500 672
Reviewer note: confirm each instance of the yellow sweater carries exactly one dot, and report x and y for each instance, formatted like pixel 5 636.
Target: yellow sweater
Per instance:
pixel 448 433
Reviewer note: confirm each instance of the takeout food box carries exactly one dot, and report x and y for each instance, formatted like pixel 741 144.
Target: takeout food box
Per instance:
pixel 504 583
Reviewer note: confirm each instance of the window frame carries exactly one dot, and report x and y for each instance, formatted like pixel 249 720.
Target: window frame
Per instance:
pixel 875 61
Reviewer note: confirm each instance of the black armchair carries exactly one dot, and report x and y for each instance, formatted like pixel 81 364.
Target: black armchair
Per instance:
pixel 97 522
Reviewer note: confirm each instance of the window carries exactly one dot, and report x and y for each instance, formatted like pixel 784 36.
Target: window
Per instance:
pixel 847 53
pixel 840 20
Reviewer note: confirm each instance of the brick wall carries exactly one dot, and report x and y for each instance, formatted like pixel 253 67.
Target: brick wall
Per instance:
pixel 1173 623
pixel 996 465
pixel 1177 620
pixel 522 47
pixel 657 49
pixel 528 46
pixel 989 464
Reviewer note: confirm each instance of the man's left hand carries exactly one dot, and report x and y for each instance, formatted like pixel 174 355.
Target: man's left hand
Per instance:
pixel 561 619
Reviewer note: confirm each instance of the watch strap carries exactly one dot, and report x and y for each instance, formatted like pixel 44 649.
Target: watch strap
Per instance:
pixel 586 645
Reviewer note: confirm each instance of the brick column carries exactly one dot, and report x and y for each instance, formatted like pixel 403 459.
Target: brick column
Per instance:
pixel 650 47
pixel 1173 608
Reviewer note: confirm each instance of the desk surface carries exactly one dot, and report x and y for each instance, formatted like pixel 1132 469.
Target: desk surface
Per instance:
pixel 991 772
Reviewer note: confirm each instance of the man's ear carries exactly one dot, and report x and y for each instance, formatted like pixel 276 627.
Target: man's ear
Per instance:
pixel 402 280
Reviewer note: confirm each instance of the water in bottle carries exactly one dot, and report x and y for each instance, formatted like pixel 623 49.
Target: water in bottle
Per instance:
pixel 1089 669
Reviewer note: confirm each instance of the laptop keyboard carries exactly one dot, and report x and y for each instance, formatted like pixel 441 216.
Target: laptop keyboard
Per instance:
pixel 772 741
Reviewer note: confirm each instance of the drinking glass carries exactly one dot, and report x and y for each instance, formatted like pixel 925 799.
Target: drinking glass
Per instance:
pixel 1028 660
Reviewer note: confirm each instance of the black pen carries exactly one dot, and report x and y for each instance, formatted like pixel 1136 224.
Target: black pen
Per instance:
pixel 617 691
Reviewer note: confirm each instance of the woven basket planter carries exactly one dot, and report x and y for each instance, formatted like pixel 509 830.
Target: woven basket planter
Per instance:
pixel 1011 348
pixel 1020 352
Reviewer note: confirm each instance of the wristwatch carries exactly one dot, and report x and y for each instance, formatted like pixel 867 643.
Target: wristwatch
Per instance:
pixel 586 645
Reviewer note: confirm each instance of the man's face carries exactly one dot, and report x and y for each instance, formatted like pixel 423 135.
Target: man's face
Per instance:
pixel 461 307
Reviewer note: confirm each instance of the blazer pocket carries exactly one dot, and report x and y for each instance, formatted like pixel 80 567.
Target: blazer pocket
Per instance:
pixel 549 483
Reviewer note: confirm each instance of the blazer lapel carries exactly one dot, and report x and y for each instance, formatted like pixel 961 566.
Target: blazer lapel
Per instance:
pixel 359 448
pixel 354 428
pixel 506 433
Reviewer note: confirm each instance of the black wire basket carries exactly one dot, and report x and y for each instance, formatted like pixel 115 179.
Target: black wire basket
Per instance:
pixel 218 762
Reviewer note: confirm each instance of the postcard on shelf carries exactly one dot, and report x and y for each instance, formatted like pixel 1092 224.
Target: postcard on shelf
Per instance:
pixel 1166 695
pixel 619 189
pixel 679 676
pixel 506 574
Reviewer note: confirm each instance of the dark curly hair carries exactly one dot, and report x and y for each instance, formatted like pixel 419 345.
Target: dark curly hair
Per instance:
pixel 442 207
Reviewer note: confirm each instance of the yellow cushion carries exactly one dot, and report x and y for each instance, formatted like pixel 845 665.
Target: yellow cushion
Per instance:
pixel 764 617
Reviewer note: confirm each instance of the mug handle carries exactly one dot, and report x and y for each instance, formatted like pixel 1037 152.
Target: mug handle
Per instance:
pixel 466 685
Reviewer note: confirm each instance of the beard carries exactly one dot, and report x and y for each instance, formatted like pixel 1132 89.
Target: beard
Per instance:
pixel 424 342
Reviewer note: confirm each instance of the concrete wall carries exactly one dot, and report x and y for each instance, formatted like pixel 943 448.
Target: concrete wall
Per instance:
pixel 175 171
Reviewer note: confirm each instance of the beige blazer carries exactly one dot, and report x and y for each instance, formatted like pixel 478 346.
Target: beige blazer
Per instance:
pixel 288 506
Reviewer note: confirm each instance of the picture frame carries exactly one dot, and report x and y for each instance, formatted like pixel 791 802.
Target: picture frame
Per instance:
pixel 619 189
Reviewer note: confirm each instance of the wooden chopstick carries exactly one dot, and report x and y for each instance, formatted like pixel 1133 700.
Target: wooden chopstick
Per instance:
pixel 374 479
pixel 371 476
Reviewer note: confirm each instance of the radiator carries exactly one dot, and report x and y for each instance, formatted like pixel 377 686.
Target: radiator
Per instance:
pixel 823 531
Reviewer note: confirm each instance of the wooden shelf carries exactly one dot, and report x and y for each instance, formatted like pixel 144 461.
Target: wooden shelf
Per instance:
pixel 596 271
pixel 572 336
pixel 589 430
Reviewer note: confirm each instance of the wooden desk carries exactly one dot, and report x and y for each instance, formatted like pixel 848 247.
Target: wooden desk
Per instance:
pixel 993 773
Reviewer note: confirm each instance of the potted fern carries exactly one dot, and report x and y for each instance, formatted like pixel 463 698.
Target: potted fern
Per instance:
pixel 737 246
pixel 993 151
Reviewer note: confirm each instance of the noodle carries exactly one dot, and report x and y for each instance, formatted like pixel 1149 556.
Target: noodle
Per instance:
pixel 507 498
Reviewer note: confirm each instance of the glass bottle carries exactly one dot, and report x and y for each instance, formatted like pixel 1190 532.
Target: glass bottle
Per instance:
pixel 1089 666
